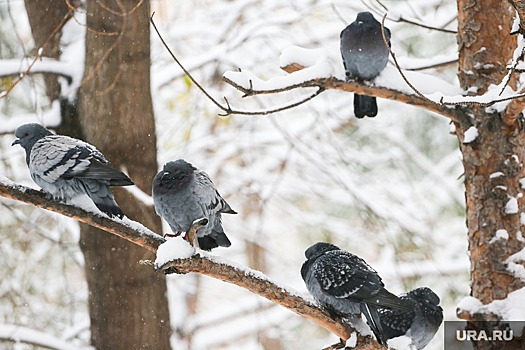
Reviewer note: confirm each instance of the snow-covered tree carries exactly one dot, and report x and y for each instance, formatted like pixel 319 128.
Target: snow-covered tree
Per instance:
pixel 388 189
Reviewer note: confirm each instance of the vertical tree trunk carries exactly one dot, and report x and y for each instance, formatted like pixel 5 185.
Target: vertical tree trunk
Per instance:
pixel 127 301
pixel 494 161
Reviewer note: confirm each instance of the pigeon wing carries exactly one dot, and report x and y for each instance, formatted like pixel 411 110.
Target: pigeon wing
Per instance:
pixel 52 157
pixel 344 275
pixel 208 197
pixel 57 156
pixel 395 322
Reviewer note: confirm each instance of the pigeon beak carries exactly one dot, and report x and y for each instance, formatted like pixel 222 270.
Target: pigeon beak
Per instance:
pixel 16 142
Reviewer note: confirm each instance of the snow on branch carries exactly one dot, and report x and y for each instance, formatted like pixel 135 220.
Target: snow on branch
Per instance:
pixel 19 334
pixel 197 261
pixel 250 85
pixel 125 228
pixel 312 69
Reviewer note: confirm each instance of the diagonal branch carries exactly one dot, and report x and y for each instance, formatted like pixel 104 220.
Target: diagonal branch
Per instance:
pixel 228 109
pixel 249 279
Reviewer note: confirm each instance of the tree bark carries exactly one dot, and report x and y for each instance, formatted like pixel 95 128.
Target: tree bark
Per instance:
pixel 493 163
pixel 127 301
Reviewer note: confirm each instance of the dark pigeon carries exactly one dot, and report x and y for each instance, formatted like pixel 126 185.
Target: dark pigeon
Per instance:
pixel 365 55
pixel 66 167
pixel 183 194
pixel 347 286
pixel 420 324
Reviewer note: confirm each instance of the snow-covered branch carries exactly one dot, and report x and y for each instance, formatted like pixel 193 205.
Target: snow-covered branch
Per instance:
pixel 19 334
pixel 199 262
pixel 125 228
pixel 333 83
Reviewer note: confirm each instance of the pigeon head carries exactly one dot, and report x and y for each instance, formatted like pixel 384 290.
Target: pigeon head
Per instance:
pixel 176 174
pixel 365 18
pixel 318 249
pixel 425 294
pixel 427 299
pixel 28 134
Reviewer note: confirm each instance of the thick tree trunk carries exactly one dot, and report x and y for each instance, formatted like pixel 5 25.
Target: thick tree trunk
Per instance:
pixel 494 161
pixel 128 302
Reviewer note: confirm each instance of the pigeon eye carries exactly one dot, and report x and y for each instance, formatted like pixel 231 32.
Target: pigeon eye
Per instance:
pixel 26 134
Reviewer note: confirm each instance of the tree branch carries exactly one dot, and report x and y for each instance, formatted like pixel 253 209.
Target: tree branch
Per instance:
pixel 228 109
pixel 38 55
pixel 251 280
pixel 333 83
pixel 127 229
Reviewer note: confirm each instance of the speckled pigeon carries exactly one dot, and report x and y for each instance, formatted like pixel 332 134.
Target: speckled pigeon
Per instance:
pixel 347 286
pixel 365 55
pixel 420 324
pixel 183 194
pixel 66 167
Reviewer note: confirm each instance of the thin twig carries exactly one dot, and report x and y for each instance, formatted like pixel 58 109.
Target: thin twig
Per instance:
pixel 481 104
pixel 227 109
pixel 513 69
pixel 433 65
pixel 409 21
pixel 38 54
pixel 397 64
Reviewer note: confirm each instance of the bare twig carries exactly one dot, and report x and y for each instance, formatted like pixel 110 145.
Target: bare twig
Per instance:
pixel 228 110
pixel 433 65
pixel 513 69
pixel 249 279
pixel 419 24
pixel 481 104
pixel 397 64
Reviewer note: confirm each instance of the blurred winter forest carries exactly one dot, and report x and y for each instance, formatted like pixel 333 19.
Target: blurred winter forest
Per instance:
pixel 388 189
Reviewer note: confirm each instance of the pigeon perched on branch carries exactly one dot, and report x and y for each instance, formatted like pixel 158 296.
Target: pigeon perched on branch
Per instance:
pixel 420 324
pixel 347 286
pixel 365 55
pixel 183 194
pixel 66 167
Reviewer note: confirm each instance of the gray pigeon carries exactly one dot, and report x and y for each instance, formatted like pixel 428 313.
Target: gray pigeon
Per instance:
pixel 347 286
pixel 365 55
pixel 183 194
pixel 420 324
pixel 66 167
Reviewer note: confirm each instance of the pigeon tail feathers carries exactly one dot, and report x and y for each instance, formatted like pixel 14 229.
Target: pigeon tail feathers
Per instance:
pixel 214 240
pixel 373 320
pixel 365 106
pixel 386 299
pixel 108 206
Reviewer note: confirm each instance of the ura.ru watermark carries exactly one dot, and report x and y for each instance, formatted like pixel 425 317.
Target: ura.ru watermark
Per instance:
pixel 483 335
pixel 497 335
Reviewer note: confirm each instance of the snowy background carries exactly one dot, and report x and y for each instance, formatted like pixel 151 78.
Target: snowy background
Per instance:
pixel 387 189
